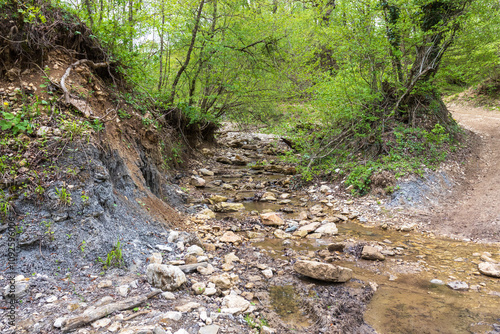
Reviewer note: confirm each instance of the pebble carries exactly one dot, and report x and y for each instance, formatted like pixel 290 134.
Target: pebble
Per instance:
pixel 187 307
pixel 212 329
pixel 458 285
pixel 172 315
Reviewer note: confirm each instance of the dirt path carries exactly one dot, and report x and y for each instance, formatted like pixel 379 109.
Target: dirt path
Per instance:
pixel 473 210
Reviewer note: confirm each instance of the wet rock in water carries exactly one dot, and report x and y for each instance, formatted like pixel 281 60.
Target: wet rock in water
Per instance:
pixel 214 199
pixel 223 160
pixel 239 160
pixel 268 197
pixel 300 234
pixel 336 247
pixel 206 172
pixel 280 234
pixel 372 253
pixel 329 228
pixel 165 277
pixel 286 170
pixel 206 214
pixel 197 181
pixel 228 207
pixel 271 219
pixel 407 227
pixel 230 236
pixel 310 227
pixel 323 271
pixel 457 285
pixel 489 269
pixel 316 209
pixel 227 186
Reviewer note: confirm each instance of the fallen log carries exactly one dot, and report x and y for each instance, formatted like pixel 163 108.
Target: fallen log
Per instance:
pixel 95 313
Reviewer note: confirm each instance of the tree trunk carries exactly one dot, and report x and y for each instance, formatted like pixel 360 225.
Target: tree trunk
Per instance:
pixel 88 5
pixel 194 33
pixel 161 45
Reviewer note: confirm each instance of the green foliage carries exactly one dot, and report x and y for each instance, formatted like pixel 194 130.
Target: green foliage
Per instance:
pixel 5 205
pixel 113 258
pixel 97 125
pixel 64 196
pixel 255 323
pixel 15 123
pixel 75 128
pixel 49 231
pixel 30 13
pixel 124 114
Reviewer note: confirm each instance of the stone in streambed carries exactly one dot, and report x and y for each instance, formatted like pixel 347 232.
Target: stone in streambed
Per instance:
pixel 228 207
pixel 323 271
pixel 271 219
pixel 197 181
pixel 372 253
pixel 230 236
pixel 329 228
pixel 489 269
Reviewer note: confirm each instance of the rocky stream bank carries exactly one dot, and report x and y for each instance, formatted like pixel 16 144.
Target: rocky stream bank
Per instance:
pixel 255 253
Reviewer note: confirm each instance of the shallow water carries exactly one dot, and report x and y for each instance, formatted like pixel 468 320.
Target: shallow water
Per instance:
pixel 406 301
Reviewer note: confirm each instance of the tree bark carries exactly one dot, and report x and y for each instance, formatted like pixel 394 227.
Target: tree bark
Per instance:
pixel 194 33
pixel 161 44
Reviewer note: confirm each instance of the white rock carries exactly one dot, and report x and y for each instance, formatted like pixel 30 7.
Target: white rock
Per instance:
pixel 164 248
pixel 51 299
pixel 105 284
pixel 59 322
pixel 329 228
pixel 165 277
pixel 173 236
pixel 180 246
pixel 489 269
pixel 212 329
pixel 172 315
pixel 187 307
pixel 234 304
pixel 123 290
pixel 206 172
pixel 198 288
pixel 42 131
pixel 198 181
pixel 168 295
pixel 195 250
pixel 210 291
pixel 182 331
pixel 114 326
pixel 268 273
pixel 101 323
